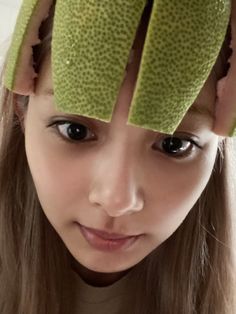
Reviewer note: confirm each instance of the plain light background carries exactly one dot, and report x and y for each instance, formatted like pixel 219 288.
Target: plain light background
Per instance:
pixel 8 14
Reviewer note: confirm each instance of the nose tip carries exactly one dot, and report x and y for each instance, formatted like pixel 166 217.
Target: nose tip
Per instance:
pixel 115 205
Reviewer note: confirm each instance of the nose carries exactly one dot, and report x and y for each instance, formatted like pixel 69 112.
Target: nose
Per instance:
pixel 115 188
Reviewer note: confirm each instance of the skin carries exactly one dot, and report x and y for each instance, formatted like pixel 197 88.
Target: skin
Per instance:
pixel 122 181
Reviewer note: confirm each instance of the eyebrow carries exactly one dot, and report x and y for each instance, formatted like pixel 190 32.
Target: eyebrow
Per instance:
pixel 195 109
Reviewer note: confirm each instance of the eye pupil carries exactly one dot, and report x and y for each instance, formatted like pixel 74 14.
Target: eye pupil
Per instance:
pixel 77 131
pixel 172 145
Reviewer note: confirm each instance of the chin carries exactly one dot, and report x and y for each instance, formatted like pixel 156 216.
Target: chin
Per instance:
pixel 106 265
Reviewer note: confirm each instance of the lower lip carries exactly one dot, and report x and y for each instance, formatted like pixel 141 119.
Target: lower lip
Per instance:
pixel 107 245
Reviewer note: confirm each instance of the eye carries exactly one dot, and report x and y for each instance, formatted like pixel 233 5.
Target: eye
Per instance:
pixel 73 131
pixel 174 146
pixel 177 147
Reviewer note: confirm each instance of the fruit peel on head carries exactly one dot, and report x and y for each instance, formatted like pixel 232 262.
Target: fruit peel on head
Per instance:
pixel 20 74
pixel 91 44
pixel 225 109
pixel 96 47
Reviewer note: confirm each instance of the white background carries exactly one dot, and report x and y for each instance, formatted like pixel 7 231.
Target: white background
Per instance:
pixel 8 14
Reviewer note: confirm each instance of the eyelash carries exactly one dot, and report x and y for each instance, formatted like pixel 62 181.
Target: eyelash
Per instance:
pixel 188 152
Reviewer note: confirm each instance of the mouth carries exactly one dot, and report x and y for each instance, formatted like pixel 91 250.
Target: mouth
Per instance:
pixel 107 235
pixel 105 241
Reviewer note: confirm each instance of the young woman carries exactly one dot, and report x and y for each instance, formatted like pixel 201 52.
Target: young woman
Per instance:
pixel 111 218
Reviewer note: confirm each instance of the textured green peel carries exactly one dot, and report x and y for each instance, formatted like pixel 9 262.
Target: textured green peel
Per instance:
pixel 182 44
pixel 91 46
pixel 91 54
pixel 20 73
pixel 225 106
pixel 232 132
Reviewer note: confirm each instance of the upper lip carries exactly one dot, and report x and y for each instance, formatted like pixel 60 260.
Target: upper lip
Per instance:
pixel 107 235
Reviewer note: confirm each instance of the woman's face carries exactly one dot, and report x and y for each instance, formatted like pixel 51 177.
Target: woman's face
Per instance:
pixel 117 178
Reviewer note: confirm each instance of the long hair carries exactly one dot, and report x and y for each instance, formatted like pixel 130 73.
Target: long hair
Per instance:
pixel 192 272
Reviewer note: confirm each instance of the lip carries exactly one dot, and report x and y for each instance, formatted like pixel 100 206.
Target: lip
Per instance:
pixel 111 242
pixel 107 235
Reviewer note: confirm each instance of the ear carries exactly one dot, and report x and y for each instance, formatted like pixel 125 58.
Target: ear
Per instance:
pixel 19 110
pixel 225 112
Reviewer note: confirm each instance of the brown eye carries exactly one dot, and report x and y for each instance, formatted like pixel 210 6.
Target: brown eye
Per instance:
pixel 176 146
pixel 77 131
pixel 73 131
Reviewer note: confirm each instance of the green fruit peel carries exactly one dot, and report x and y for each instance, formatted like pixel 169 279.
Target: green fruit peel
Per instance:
pixel 91 45
pixel 96 47
pixel 19 74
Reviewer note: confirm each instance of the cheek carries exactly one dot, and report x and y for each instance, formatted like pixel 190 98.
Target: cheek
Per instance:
pixel 174 189
pixel 59 181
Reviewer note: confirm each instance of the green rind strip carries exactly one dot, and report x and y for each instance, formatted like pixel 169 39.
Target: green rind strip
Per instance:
pixel 233 130
pixel 90 49
pixel 91 45
pixel 14 53
pixel 182 44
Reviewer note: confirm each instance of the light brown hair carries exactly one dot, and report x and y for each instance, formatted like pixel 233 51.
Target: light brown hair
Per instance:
pixel 192 272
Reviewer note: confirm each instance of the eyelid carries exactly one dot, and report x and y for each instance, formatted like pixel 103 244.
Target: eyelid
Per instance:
pixel 185 136
pixel 81 120
pixel 54 123
pixel 88 123
pixel 193 145
pixel 56 120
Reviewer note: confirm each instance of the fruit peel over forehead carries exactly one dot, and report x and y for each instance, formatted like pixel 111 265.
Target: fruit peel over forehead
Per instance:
pixel 91 45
